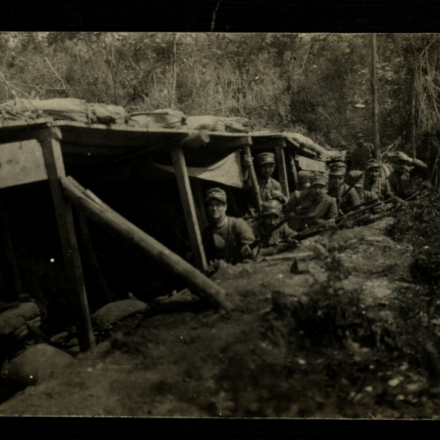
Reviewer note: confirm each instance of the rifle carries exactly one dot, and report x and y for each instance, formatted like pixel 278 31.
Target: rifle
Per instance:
pixel 269 233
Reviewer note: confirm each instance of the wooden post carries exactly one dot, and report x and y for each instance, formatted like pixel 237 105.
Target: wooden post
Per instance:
pixel 102 214
pixel 186 197
pixel 12 277
pixel 254 180
pixel 294 171
pixel 49 140
pixel 282 171
pixel 199 200
pixel 374 93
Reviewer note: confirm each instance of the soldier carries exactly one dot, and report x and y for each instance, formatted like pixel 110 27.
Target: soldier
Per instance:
pixel 405 169
pixel 270 189
pixel 225 237
pixel 339 190
pixel 312 207
pixel 303 179
pixel 365 196
pixel 279 240
pixel 375 183
pixel 362 153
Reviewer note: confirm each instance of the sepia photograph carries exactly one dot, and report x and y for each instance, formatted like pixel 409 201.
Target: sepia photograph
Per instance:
pixel 220 225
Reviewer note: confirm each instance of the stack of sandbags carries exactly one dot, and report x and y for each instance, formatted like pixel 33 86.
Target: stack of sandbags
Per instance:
pixel 217 123
pixel 322 153
pixel 16 321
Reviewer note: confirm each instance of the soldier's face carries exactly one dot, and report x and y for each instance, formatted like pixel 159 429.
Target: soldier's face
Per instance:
pixel 360 141
pixel 270 220
pixel 216 209
pixel 400 167
pixel 372 174
pixel 266 170
pixel 318 191
pixel 336 181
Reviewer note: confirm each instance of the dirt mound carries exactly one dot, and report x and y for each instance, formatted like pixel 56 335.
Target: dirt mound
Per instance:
pixel 331 342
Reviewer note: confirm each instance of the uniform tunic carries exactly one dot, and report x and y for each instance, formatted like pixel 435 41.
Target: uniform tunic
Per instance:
pixel 349 200
pixel 361 155
pixel 226 241
pixel 308 211
pixel 283 233
pixel 380 187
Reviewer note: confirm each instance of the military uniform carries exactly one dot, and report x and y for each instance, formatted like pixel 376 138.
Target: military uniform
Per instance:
pixel 361 155
pixel 357 176
pixel 272 244
pixel 402 184
pixel 309 211
pixel 344 199
pixel 226 240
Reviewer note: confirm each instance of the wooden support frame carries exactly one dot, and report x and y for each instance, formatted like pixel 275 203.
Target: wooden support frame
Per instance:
pixel 187 199
pixel 253 175
pixel 49 140
pixel 282 170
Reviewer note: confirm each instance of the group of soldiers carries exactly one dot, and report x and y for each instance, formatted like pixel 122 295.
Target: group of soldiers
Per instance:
pixel 320 201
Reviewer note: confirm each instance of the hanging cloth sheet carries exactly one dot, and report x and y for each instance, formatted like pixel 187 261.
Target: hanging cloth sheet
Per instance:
pixel 227 171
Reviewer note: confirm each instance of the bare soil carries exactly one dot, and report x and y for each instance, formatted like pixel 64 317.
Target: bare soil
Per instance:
pixel 265 359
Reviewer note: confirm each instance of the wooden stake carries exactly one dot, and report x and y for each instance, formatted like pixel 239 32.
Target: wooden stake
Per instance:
pixel 282 171
pixel 49 140
pixel 294 171
pixel 186 197
pixel 102 214
pixel 254 180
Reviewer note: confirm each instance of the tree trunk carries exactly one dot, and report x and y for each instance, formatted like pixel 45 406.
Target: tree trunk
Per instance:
pixel 374 94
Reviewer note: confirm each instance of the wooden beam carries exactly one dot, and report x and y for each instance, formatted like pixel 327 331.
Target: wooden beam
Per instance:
pixel 102 214
pixel 49 139
pixel 186 197
pixel 238 142
pixel 282 170
pixel 294 171
pixel 253 176
pixel 199 200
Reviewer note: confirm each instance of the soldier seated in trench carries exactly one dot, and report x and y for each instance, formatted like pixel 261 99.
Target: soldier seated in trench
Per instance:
pixel 339 190
pixel 312 207
pixel 402 177
pixel 357 177
pixel 281 239
pixel 375 183
pixel 225 238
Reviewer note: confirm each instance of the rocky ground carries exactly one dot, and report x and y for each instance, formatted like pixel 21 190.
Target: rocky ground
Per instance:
pixel 344 336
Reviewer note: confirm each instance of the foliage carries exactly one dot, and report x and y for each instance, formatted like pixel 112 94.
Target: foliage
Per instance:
pixel 312 82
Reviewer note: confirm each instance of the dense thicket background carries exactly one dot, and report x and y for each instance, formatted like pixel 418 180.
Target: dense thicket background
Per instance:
pixel 315 83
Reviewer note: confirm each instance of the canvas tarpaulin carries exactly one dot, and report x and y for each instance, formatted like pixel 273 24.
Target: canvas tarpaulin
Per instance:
pixel 227 171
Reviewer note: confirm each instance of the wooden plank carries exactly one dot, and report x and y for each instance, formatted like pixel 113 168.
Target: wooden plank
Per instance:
pixel 199 200
pixel 282 170
pixel 254 180
pixel 21 162
pixel 186 197
pixel 49 139
pixel 102 214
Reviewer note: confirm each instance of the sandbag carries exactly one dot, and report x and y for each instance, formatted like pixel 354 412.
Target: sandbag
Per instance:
pixel 106 114
pixel 166 118
pixel 115 311
pixel 34 365
pixel 11 320
pixel 209 123
pixel 63 108
pixel 139 121
pixel 235 125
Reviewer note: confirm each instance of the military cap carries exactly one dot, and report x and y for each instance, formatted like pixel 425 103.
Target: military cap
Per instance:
pixel 319 179
pixel 356 176
pixel 271 207
pixel 359 134
pixel 337 169
pixel 264 158
pixel 216 193
pixel 372 163
pixel 304 176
